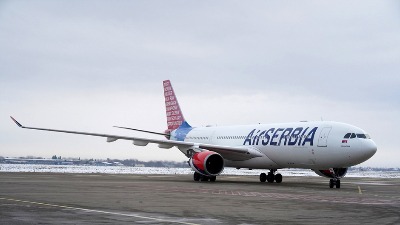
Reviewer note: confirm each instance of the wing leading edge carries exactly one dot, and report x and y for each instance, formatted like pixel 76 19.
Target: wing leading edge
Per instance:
pixel 228 152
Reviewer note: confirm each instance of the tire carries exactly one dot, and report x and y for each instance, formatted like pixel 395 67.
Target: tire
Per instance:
pixel 338 184
pixel 263 177
pixel 196 176
pixel 213 178
pixel 278 178
pixel 204 178
pixel 331 183
pixel 270 177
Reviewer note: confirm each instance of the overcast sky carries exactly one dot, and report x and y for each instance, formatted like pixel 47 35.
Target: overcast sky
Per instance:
pixel 89 65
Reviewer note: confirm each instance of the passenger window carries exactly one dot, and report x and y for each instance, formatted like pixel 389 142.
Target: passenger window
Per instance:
pixel 353 135
pixel 347 135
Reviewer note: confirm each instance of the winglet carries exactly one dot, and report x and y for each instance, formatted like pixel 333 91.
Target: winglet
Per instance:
pixel 16 122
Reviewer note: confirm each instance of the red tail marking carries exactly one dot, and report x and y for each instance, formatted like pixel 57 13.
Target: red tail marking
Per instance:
pixel 174 114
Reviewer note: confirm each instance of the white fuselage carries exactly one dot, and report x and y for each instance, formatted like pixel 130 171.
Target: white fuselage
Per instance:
pixel 311 145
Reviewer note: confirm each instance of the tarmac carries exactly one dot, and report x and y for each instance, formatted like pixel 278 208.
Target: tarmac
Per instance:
pixel 51 198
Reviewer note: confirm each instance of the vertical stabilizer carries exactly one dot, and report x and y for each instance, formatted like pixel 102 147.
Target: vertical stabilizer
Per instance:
pixel 174 114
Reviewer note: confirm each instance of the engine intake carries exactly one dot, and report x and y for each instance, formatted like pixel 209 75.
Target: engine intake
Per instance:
pixel 208 163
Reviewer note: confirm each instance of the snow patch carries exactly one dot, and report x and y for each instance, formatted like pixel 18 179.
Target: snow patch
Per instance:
pixel 30 168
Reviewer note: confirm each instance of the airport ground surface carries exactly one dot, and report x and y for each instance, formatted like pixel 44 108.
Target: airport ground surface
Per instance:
pixel 49 198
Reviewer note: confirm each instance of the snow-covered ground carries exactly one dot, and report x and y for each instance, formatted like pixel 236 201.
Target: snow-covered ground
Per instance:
pixel 160 170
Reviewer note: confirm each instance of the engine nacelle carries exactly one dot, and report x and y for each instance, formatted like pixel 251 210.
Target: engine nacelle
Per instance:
pixel 207 163
pixel 340 172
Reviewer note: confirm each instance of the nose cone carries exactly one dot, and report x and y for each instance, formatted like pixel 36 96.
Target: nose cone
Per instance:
pixel 365 151
pixel 369 149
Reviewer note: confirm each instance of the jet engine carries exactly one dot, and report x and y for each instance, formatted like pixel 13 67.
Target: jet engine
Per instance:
pixel 339 172
pixel 207 163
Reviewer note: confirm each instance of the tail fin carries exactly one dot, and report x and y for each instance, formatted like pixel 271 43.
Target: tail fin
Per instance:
pixel 174 114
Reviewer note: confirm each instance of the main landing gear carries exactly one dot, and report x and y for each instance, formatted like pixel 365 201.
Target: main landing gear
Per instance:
pixel 199 177
pixel 271 177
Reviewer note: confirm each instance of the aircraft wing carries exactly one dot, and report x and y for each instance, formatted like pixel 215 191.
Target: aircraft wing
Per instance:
pixel 228 152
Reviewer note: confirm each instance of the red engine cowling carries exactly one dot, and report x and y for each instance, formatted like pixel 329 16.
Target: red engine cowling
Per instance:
pixel 208 163
pixel 340 172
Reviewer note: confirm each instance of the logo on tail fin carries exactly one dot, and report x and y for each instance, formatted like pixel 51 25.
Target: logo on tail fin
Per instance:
pixel 174 114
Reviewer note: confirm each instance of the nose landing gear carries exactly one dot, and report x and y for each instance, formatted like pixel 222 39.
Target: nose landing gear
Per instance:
pixel 335 181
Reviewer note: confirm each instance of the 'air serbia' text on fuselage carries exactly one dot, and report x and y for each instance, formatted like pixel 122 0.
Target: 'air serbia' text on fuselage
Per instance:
pixel 281 136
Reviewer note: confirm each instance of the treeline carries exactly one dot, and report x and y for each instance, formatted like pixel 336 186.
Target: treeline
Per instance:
pixel 135 162
pixel 374 169
pixel 78 161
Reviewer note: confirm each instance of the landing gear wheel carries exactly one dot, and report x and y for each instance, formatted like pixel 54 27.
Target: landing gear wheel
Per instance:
pixel 263 177
pixel 213 178
pixel 338 184
pixel 270 177
pixel 334 182
pixel 331 183
pixel 278 178
pixel 196 176
pixel 204 178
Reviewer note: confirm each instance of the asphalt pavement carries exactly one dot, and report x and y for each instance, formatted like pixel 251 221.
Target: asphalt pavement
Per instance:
pixel 51 198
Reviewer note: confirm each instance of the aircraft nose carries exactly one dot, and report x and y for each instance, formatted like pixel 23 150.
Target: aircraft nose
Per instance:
pixel 370 148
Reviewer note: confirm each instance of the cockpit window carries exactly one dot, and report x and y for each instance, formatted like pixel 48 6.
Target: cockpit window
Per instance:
pixel 365 136
pixel 361 136
pixel 353 135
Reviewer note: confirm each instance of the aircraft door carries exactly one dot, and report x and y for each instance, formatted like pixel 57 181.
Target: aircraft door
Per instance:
pixel 323 137
pixel 211 138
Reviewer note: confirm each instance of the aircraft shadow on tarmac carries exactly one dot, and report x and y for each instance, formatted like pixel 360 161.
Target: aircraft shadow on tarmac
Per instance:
pixel 240 181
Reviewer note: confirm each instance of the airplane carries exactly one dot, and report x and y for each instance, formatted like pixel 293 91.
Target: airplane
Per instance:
pixel 328 148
